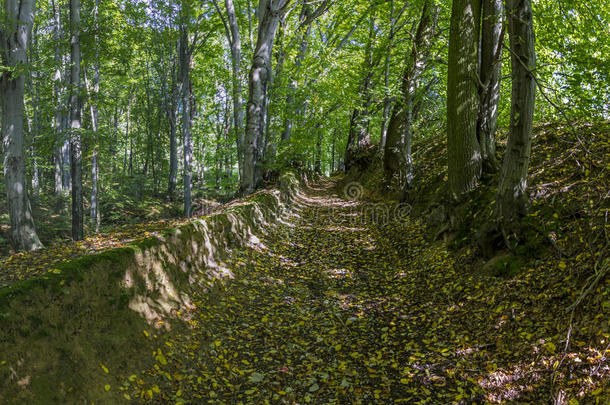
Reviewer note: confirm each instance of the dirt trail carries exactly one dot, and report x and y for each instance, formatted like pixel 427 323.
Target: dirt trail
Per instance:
pixel 335 305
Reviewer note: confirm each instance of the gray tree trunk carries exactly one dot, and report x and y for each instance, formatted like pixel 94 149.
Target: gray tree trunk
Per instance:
pixel 57 121
pixel 187 119
pixel 75 122
pixel 489 76
pixel 318 158
pixel 65 126
pixel 94 210
pixel 238 111
pixel 387 102
pixel 62 151
pixel 464 153
pixel 18 16
pixel 359 137
pixel 234 38
pixel 269 14
pixel 171 107
pixel 293 110
pixel 34 122
pixel 398 162
pixel 512 200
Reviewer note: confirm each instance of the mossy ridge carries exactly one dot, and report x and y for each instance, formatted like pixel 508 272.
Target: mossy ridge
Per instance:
pixel 62 331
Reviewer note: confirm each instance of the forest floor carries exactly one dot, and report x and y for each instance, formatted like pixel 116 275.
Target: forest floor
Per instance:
pixel 350 301
pixel 334 305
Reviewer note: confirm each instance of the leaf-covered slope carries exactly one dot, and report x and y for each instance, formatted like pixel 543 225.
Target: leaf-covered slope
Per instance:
pixel 64 332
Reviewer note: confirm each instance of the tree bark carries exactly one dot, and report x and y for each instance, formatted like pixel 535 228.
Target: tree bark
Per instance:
pixel 16 28
pixel 398 161
pixel 489 76
pixel 464 152
pixel 387 103
pixel 75 123
pixel 171 106
pixel 57 80
pixel 512 200
pixel 318 159
pixel 359 137
pixel 234 38
pixel 187 118
pixel 94 210
pixel 238 111
pixel 293 110
pixel 269 14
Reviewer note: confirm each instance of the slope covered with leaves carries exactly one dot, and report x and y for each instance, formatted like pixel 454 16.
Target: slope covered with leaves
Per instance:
pixel 346 302
pixel 333 306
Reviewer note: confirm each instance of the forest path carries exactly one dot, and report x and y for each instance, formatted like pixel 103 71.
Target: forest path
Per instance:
pixel 333 306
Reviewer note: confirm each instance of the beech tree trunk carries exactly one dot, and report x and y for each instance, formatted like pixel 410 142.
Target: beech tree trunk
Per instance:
pixel 512 200
pixel 489 75
pixel 18 17
pixel 238 111
pixel 234 38
pixel 187 118
pixel 75 123
pixel 387 102
pixel 269 14
pixel 292 108
pixel 94 210
pixel 359 137
pixel 173 152
pixel 464 152
pixel 398 162
pixel 57 84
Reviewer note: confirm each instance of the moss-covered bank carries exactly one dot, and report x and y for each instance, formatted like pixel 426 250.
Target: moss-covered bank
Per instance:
pixel 66 336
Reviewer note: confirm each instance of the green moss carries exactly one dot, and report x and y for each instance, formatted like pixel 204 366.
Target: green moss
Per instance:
pixel 72 270
pixel 508 266
pixel 146 243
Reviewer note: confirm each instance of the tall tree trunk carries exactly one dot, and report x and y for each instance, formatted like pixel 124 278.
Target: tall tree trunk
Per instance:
pixel 75 123
pixel 318 159
pixel 57 120
pixel 34 125
pixel 234 39
pixel 94 210
pixel 173 156
pixel 464 152
pixel 387 102
pixel 398 161
pixel 127 137
pixel 238 111
pixel 512 200
pixel 359 137
pixel 65 127
pixel 269 14
pixel 489 76
pixel 333 152
pixel 115 138
pixel 292 108
pixel 171 106
pixel 18 16
pixel 187 119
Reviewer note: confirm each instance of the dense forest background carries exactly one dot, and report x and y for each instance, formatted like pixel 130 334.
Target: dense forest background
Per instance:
pixel 147 102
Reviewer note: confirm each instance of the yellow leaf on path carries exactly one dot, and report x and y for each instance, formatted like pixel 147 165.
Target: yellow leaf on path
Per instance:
pixel 107 387
pixel 104 368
